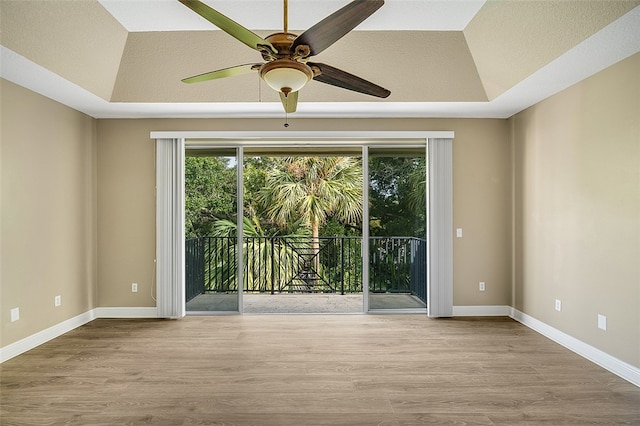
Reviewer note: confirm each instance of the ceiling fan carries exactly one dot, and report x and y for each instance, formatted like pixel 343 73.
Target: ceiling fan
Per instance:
pixel 287 68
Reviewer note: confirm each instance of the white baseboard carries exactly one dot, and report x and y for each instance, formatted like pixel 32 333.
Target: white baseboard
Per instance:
pixel 116 312
pixel 37 339
pixel 482 311
pixel 28 343
pixel 593 354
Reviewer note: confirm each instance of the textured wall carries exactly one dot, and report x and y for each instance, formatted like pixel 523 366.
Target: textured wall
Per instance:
pixel 577 209
pixel 48 222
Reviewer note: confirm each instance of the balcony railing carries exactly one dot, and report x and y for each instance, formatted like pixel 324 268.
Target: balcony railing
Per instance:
pixel 302 264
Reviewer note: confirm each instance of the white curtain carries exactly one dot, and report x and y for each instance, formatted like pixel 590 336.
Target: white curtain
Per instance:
pixel 170 228
pixel 440 214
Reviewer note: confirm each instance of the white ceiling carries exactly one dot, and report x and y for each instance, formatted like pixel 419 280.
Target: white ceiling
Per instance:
pixel 613 43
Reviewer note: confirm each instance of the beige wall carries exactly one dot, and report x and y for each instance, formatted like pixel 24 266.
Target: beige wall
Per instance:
pixel 481 207
pixel 48 219
pixel 127 218
pixel 126 224
pixel 577 210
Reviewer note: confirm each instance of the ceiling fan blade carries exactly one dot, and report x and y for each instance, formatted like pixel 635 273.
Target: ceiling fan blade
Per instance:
pixel 289 102
pixel 229 26
pixel 226 72
pixel 335 77
pixel 335 26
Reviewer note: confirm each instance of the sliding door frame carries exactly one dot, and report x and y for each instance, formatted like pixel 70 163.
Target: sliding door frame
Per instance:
pixel 365 229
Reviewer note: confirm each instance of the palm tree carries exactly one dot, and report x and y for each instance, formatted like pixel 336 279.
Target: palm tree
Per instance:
pixel 312 189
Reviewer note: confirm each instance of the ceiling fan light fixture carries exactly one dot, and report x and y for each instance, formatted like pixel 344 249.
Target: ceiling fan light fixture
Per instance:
pixel 285 75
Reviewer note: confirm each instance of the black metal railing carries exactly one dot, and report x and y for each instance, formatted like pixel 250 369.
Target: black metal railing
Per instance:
pixel 304 264
pixel 210 265
pixel 398 265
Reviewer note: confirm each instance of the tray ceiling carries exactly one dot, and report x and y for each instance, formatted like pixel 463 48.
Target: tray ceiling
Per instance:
pixel 114 58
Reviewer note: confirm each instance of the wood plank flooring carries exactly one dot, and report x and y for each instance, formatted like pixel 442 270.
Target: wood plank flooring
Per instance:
pixel 310 370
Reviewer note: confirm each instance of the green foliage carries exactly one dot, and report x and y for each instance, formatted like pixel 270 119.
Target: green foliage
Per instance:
pixel 397 196
pixel 305 195
pixel 210 193
pixel 255 176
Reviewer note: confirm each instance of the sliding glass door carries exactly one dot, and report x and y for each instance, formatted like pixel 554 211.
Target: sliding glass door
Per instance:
pixel 397 228
pixel 211 249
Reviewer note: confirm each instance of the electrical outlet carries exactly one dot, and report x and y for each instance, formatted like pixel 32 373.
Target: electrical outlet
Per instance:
pixel 481 286
pixel 57 301
pixel 15 314
pixel 602 322
pixel 134 287
pixel 459 232
pixel 558 305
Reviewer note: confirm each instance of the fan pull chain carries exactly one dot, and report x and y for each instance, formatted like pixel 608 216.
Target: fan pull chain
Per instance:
pixel 286 112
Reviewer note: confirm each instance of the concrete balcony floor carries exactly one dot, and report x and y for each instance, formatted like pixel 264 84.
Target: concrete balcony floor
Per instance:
pixel 312 303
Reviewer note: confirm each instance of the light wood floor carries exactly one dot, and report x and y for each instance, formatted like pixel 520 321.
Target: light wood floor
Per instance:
pixel 310 370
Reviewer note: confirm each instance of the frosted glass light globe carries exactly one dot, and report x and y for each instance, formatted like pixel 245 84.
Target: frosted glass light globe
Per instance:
pixel 285 75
